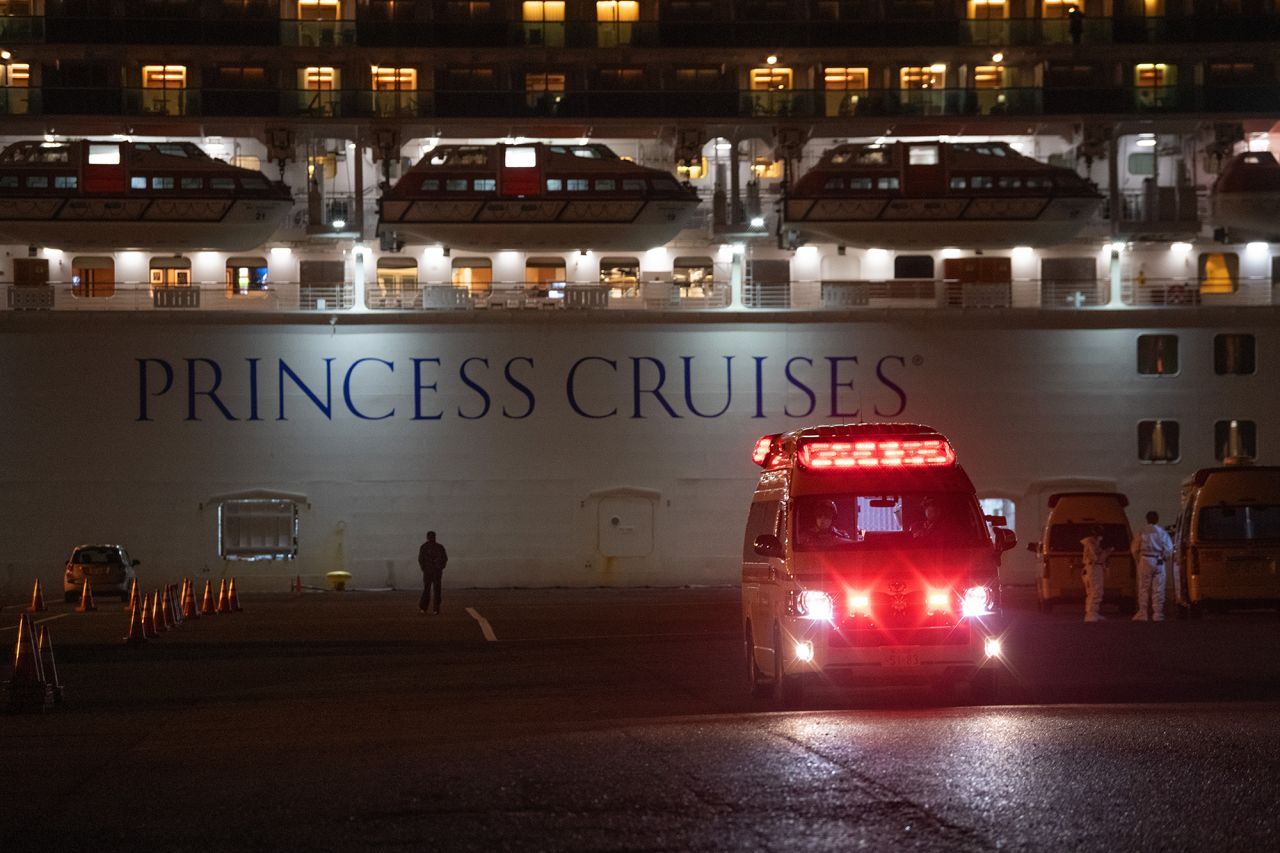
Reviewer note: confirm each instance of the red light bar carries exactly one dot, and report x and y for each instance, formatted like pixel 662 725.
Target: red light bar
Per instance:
pixel 889 453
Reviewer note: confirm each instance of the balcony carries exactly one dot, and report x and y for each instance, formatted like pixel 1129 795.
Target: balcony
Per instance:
pixel 317 33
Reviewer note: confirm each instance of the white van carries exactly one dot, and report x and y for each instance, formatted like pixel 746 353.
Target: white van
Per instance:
pixel 1227 539
pixel 866 557
pixel 1072 515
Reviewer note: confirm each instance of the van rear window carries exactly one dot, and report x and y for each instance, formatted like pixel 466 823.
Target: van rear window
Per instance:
pixel 1244 523
pixel 1066 537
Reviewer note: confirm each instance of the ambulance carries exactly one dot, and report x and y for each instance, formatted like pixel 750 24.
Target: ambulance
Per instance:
pixel 867 559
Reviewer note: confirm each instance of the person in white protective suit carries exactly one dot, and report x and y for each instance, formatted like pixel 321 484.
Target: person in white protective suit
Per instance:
pixel 1152 549
pixel 1094 568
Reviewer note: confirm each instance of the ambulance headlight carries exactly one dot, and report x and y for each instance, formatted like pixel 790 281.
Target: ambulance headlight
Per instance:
pixel 816 605
pixel 976 602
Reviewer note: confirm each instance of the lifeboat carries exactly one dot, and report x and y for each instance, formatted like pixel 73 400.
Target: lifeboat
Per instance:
pixel 534 196
pixel 1246 197
pixel 108 195
pixel 927 194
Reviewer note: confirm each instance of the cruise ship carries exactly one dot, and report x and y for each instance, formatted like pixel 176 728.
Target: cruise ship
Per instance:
pixel 289 284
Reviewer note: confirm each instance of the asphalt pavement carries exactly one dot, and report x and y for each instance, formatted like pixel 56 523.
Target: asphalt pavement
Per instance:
pixel 620 720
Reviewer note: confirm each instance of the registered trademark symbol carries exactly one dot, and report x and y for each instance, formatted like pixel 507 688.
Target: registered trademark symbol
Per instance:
pixel 917 360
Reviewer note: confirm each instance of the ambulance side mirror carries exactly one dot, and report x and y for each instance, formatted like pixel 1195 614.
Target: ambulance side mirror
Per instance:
pixel 1005 539
pixel 768 545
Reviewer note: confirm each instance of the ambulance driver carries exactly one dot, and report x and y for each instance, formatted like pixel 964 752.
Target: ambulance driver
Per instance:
pixel 822 532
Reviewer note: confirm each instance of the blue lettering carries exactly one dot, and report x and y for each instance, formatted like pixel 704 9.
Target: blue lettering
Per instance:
pixel 253 388
pixel 892 386
pixel 813 400
pixel 418 388
pixel 519 386
pixel 346 389
pixel 212 394
pixel 466 380
pixel 836 385
pixel 144 386
pixel 688 386
pixel 573 397
pixel 759 360
pixel 325 406
pixel 656 390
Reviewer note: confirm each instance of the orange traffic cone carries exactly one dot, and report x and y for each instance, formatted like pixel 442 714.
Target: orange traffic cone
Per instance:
pixel 166 610
pixel 297 585
pixel 223 605
pixel 86 600
pixel 137 632
pixel 208 607
pixel 27 690
pixel 157 613
pixel 45 645
pixel 233 600
pixel 133 596
pixel 189 608
pixel 37 599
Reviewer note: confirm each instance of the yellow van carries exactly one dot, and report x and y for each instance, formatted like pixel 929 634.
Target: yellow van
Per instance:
pixel 866 557
pixel 1071 516
pixel 1227 541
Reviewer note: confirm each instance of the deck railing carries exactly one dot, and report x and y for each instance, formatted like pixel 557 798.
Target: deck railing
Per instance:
pixel 653 296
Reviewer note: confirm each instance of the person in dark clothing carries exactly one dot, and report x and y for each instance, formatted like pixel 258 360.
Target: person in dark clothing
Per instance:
pixel 1075 23
pixel 431 559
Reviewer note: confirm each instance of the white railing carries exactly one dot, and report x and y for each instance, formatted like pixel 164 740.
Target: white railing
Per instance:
pixel 653 296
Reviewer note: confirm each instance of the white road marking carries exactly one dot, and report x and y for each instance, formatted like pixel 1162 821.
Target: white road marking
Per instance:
pixel 485 627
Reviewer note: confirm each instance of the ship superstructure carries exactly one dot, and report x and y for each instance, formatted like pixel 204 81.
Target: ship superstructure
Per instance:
pixel 542 229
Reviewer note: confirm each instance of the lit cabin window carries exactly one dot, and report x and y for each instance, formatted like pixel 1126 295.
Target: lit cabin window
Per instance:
pixel 981 182
pixel 1058 9
pixel 922 155
pixel 922 76
pixel 473 274
pixel 617 11
pixel 887 183
pixel 1009 182
pixel 695 276
pixel 1158 441
pixel 1235 440
pixel 772 78
pixel 1158 355
pixel 520 158
pixel 137 182
pixel 576 185
pixel 15 77
pixel 319 10
pixel 164 89
pixel 621 276
pixel 193 183
pixel 988 77
pixel 162 183
pixel 554 185
pixel 104 154
pixel 844 87
pixel 37 182
pixel 396 283
pixel 859 183
pixel 958 183
pixel 1219 272
pixel 317 78
pixel 246 276
pixel 544 83
pixel 93 277
pixel 983 10
pixel 8 182
pixel 1154 82
pixel 1234 354
pixel 834 184
pixel 606 185
pixel 431 185
pixel 539 11
pixel 65 182
pixel 456 185
pixel 546 276
pixel 258 529
pixel 484 185
pixel 394 90
pixel 632 185
pixel 170 272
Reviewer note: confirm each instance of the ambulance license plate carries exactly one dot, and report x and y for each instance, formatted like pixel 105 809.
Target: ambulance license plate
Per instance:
pixel 906 656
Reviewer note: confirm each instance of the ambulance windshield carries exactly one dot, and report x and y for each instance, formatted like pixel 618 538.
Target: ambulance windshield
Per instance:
pixel 909 520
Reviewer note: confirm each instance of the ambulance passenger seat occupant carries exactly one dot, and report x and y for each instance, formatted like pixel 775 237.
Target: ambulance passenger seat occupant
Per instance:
pixel 1152 549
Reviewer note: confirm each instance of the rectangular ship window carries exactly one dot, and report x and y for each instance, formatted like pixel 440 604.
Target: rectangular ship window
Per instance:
pixel 1219 272
pixel 1158 441
pixel 1158 355
pixel 1234 354
pixel 1235 440
pixel 258 529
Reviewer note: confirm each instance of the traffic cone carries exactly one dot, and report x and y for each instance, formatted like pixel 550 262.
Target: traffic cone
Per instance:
pixel 45 646
pixel 148 618
pixel 27 690
pixel 133 596
pixel 166 609
pixel 157 613
pixel 86 600
pixel 297 585
pixel 207 607
pixel 233 600
pixel 137 632
pixel 190 610
pixel 224 606
pixel 37 599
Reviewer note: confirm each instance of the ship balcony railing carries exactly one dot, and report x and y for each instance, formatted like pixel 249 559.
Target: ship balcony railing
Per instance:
pixel 264 297
pixel 317 33
pixel 1143 292
pixel 646 103
pixel 18 29
pixel 1026 32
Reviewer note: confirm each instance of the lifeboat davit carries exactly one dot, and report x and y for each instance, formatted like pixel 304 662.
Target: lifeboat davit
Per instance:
pixel 927 194
pixel 534 196
pixel 1246 197
pixel 109 195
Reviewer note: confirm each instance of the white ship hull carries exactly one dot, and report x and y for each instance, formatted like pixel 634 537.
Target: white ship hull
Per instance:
pixel 928 223
pixel 489 226
pixel 551 450
pixel 108 225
